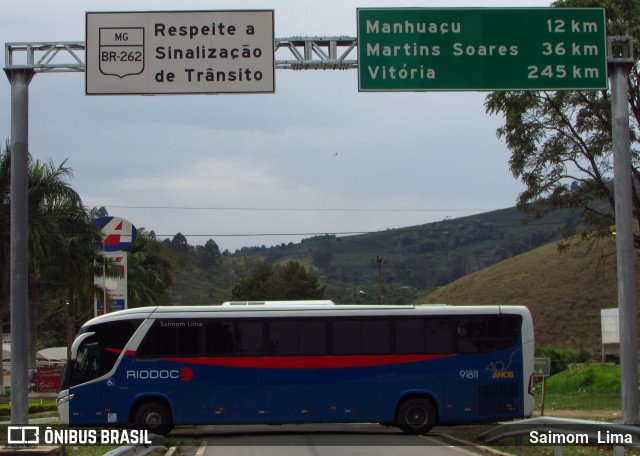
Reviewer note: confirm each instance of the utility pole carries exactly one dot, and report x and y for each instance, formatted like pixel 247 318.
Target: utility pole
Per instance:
pixel 379 261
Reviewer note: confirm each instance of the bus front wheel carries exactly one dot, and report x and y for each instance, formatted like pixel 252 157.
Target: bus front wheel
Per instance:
pixel 155 417
pixel 416 416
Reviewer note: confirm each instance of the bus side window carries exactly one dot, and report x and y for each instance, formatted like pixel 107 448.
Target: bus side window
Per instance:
pixel 312 338
pixel 361 337
pixel 219 338
pixel 240 338
pixel 471 332
pixel 483 334
pixel 283 338
pixel 410 336
pixel 504 331
pixel 438 334
pixel 248 338
pixel 171 337
pixel 375 337
pixel 347 337
pixel 297 337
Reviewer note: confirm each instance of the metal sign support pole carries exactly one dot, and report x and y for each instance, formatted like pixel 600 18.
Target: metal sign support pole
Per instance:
pixel 619 64
pixel 19 282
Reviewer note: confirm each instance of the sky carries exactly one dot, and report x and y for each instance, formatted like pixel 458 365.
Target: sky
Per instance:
pixel 316 157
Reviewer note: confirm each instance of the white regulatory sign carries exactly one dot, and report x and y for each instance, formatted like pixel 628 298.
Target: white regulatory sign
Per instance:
pixel 184 52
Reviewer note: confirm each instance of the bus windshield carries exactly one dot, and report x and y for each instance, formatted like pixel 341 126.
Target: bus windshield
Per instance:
pixel 87 363
pixel 98 350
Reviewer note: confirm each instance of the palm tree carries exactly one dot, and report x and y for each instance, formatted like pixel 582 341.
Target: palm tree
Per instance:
pixel 149 274
pixel 62 238
pixel 69 281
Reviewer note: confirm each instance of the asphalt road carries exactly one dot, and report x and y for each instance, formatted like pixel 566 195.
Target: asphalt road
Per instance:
pixel 313 440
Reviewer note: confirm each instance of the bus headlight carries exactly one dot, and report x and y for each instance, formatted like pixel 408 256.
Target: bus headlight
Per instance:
pixel 62 400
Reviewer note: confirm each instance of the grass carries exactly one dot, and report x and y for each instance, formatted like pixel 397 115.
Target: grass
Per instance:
pixel 590 386
pixel 580 401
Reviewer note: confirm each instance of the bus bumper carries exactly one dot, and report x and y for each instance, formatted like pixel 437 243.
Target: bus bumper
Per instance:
pixel 63 406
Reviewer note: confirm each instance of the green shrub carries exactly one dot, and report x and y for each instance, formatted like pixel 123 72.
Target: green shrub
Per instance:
pixel 560 359
pixel 49 406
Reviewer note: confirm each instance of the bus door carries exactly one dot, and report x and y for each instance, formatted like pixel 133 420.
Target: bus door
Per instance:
pixel 86 366
pixel 90 376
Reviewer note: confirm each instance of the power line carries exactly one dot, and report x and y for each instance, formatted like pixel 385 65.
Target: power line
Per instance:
pixel 291 209
pixel 323 233
pixel 348 233
pixel 326 233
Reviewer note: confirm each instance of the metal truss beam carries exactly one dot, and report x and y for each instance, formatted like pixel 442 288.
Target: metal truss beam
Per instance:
pixel 316 53
pixel 298 53
pixel 45 57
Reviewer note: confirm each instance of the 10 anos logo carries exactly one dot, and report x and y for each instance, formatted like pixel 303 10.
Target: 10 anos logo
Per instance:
pixel 503 374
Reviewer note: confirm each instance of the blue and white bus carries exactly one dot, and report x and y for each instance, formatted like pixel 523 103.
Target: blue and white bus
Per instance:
pixel 301 362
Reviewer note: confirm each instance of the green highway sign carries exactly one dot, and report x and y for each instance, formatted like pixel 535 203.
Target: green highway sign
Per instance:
pixel 419 49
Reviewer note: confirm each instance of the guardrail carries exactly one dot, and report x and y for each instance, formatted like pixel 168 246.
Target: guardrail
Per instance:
pixel 559 432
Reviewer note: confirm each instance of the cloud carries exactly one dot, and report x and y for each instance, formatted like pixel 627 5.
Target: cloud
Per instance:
pixel 317 156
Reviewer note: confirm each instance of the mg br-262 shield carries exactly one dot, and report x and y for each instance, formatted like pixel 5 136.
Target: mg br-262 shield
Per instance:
pixel 122 51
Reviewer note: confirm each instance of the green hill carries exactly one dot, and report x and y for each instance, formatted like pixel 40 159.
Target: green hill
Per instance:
pixel 564 291
pixel 417 258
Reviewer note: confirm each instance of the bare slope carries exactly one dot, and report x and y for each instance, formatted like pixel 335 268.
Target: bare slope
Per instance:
pixel 564 291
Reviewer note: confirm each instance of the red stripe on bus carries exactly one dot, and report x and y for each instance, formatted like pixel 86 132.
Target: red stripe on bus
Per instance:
pixel 308 362
pixel 119 350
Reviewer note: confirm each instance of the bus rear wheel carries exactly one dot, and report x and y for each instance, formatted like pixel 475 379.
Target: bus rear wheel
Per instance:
pixel 155 417
pixel 416 416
